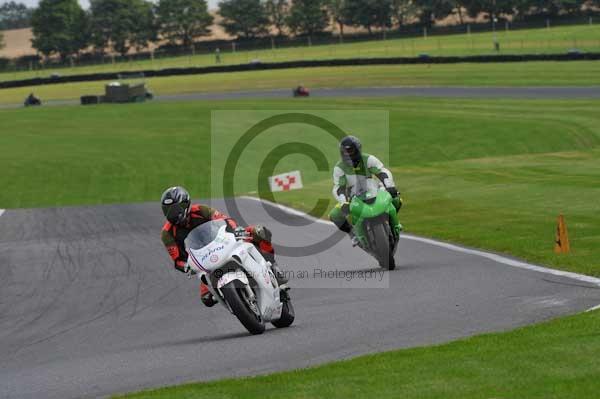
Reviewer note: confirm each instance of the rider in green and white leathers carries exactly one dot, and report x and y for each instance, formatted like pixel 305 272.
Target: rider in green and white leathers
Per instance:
pixel 353 165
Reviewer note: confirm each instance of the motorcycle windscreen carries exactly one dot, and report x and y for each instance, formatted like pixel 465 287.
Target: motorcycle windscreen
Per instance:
pixel 204 234
pixel 366 187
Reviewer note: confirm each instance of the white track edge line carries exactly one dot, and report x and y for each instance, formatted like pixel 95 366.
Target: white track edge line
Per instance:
pixel 488 255
pixel 593 308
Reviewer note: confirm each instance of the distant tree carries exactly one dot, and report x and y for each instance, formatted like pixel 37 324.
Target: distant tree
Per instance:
pixel 146 30
pixel 459 5
pixel 491 7
pixel 183 20
pixel 554 7
pixel 336 10
pixel 369 13
pixel 15 15
pixel 247 18
pixel 591 3
pixel 121 24
pixel 277 11
pixel 308 17
pixel 403 11
pixel 432 10
pixel 59 27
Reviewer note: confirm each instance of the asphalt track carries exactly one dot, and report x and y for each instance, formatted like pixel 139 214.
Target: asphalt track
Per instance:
pixel 90 306
pixel 448 92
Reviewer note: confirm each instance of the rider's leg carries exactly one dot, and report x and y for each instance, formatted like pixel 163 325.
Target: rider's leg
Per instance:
pixel 397 202
pixel 261 238
pixel 206 296
pixel 339 219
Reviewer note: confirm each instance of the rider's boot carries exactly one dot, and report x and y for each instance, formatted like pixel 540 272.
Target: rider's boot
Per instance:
pixel 354 239
pixel 206 296
pixel 282 280
pixel 398 204
pixel 346 227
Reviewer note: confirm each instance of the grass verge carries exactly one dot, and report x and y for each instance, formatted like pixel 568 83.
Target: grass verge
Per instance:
pixel 557 359
pixel 491 174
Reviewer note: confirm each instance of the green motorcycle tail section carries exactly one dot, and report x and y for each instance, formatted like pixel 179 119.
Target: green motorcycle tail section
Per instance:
pixel 362 208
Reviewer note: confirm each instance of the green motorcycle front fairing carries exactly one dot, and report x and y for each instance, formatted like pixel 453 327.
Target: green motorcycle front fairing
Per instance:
pixel 370 205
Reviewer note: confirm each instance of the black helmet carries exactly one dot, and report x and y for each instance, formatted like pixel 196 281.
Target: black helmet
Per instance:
pixel 175 203
pixel 350 147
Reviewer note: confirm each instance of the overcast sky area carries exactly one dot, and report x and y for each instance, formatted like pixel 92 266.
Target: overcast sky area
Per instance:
pixel 86 3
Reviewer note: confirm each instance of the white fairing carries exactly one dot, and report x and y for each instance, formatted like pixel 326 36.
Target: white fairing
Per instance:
pixel 215 254
pixel 226 248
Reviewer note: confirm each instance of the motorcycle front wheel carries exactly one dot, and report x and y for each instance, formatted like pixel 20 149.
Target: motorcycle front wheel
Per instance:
pixel 245 309
pixel 382 246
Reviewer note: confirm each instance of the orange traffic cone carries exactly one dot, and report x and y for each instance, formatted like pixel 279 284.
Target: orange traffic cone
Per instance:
pixel 561 243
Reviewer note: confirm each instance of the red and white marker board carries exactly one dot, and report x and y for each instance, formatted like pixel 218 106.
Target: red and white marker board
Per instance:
pixel 286 181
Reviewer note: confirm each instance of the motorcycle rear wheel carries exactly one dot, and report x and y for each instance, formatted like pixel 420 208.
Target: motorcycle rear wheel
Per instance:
pixel 287 315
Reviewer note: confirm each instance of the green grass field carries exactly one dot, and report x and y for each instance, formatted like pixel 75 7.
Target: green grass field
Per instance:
pixel 553 360
pixel 553 40
pixel 491 174
pixel 577 73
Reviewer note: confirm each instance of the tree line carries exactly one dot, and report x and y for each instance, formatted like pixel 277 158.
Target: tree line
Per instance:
pixel 62 27
pixel 14 15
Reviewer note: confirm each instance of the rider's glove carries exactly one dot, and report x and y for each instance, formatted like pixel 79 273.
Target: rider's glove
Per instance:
pixel 240 232
pixel 393 191
pixel 189 271
pixel 185 268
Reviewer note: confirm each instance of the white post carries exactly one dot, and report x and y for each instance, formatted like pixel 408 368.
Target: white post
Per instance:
pixel 424 32
pixel 590 20
pixel 233 47
pixel 548 23
pixel 506 26
pixel 494 21
pixel 469 29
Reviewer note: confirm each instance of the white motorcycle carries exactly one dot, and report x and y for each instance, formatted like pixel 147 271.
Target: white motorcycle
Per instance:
pixel 238 276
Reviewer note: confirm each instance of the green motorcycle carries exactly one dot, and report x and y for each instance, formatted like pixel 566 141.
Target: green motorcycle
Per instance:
pixel 375 222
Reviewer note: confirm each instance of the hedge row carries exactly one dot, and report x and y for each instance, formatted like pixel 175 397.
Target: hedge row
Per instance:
pixel 423 59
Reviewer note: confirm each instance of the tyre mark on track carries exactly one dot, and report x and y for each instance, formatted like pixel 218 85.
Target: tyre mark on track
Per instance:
pixel 93 319
pixel 48 300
